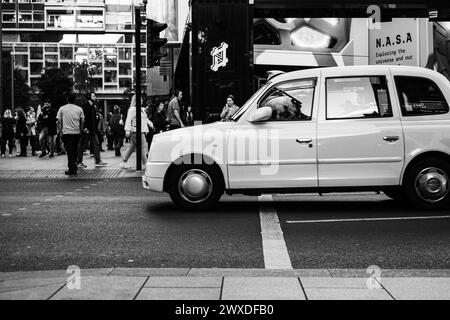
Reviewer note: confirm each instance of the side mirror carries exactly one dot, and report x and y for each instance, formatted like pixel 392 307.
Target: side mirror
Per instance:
pixel 261 114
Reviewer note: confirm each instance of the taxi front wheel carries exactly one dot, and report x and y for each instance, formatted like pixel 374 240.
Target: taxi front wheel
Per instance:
pixel 195 187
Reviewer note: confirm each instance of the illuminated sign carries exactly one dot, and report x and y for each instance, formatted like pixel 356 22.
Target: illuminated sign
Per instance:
pixel 219 55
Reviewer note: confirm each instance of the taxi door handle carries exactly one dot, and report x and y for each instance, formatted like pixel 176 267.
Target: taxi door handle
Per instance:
pixel 304 140
pixel 391 138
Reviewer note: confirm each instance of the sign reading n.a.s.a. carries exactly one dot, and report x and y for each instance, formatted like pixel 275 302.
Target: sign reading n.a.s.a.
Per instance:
pixel 394 43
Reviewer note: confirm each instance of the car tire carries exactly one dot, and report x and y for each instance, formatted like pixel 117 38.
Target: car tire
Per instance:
pixel 426 184
pixel 195 187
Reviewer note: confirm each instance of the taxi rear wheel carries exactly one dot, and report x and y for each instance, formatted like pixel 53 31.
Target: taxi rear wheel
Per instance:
pixel 195 187
pixel 426 184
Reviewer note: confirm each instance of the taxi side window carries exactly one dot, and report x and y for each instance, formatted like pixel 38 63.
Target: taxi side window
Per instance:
pixel 291 101
pixel 357 98
pixel 419 96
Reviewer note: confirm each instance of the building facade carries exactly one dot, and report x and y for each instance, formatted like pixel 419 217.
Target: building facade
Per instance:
pixel 42 34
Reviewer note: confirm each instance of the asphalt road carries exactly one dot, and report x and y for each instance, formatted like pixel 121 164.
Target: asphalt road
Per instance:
pixel 51 224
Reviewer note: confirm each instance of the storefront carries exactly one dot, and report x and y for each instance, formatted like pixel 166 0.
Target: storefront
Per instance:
pixel 233 43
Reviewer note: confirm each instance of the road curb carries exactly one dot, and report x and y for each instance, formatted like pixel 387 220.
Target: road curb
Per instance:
pixel 229 272
pixel 56 174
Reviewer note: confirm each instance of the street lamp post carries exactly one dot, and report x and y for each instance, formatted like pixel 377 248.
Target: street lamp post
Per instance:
pixel 12 80
pixel 137 40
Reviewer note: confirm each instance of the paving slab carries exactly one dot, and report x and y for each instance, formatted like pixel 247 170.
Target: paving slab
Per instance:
pixel 346 294
pixel 11 285
pixel 343 283
pixel 149 272
pixel 52 274
pixel 231 272
pixel 418 288
pixel 184 282
pixel 103 288
pixel 179 294
pixel 262 288
pixel 35 293
pixel 361 273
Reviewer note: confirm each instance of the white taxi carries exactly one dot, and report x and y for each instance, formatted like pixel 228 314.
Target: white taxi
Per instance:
pixel 337 129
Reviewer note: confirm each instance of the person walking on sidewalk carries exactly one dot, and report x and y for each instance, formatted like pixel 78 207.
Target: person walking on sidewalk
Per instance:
pixel 159 119
pixel 89 133
pixel 174 111
pixel 8 123
pixel 130 131
pixel 22 131
pixel 71 120
pixel 117 126
pixel 47 128
pixel 31 126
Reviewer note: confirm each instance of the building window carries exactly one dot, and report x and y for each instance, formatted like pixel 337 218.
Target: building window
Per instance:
pixel 125 54
pixel 357 97
pixel 66 53
pixel 25 16
pixel 95 54
pixel 36 68
pixel 38 16
pixel 420 96
pixel 21 61
pixel 51 61
pixel 125 69
pixel 110 76
pixel 9 16
pixel 110 61
pixel 90 19
pixel 124 83
pixel 36 53
pixel 97 68
pixel 64 19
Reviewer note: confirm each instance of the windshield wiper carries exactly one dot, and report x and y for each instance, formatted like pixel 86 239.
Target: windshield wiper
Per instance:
pixel 288 95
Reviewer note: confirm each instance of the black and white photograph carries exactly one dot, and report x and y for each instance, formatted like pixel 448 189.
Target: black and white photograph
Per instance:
pixel 224 156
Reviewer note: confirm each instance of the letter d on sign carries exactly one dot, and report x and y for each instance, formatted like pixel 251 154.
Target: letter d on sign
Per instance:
pixel 74 279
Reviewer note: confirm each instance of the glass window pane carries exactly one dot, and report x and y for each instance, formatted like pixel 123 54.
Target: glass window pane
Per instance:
pixel 110 76
pixel 125 69
pixel 95 53
pixel 21 61
pixel 36 53
pixel 36 68
pixel 66 53
pixel 51 61
pixel 124 83
pixel 420 96
pixel 124 53
pixel 51 49
pixel 291 101
pixel 358 97
pixel 97 68
pixel 110 61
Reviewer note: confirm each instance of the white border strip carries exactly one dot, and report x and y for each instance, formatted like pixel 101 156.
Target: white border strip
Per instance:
pixel 276 255
pixel 370 219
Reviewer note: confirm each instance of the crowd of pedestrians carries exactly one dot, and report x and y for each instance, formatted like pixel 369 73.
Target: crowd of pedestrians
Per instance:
pixel 77 128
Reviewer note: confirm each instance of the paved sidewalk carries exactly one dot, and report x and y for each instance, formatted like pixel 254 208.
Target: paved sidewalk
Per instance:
pixel 46 168
pixel 225 284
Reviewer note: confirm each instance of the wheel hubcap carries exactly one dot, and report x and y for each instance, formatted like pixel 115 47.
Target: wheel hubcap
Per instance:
pixel 195 186
pixel 432 184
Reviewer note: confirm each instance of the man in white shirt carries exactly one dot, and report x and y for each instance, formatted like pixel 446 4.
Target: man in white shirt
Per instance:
pixel 71 121
pixel 130 132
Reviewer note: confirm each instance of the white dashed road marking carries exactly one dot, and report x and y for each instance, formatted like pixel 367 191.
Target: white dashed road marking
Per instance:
pixel 276 255
pixel 370 219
